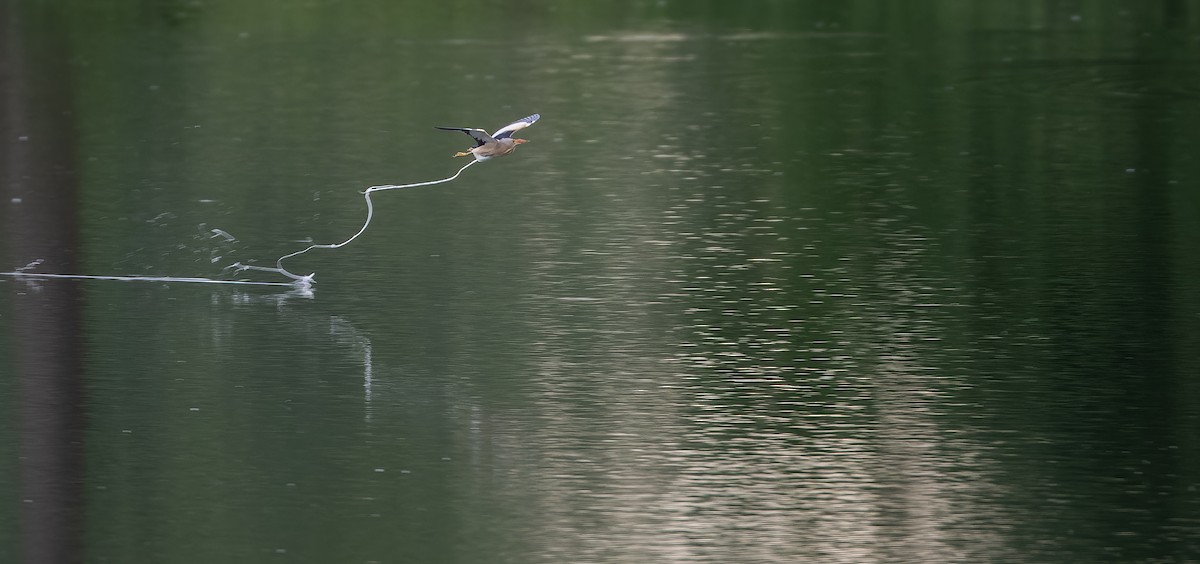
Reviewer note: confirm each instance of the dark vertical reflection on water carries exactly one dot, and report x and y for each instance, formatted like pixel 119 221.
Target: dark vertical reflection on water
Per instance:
pixel 37 137
pixel 1075 290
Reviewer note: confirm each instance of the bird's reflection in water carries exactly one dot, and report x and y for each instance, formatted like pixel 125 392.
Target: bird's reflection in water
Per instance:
pixel 343 332
pixel 347 335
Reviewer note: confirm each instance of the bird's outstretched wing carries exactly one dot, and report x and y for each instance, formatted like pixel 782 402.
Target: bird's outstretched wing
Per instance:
pixel 508 130
pixel 480 136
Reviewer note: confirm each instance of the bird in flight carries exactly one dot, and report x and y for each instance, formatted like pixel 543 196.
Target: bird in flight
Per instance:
pixel 497 144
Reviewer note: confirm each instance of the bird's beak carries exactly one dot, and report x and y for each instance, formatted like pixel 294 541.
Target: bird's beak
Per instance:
pixel 519 141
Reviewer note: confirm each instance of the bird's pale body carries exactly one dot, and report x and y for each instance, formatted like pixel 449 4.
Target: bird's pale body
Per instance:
pixel 497 148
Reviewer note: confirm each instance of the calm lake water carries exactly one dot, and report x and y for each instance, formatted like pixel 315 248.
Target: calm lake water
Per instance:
pixel 772 282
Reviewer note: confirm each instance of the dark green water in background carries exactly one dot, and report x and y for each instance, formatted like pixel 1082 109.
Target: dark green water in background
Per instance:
pixel 773 282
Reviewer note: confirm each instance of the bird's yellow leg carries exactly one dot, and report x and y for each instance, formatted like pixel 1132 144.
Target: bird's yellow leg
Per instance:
pixel 462 154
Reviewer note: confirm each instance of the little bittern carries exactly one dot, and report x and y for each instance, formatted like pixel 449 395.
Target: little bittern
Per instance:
pixel 497 144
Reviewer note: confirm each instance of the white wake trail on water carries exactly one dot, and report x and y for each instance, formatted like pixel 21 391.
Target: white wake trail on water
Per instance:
pixel 307 279
pixel 301 282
